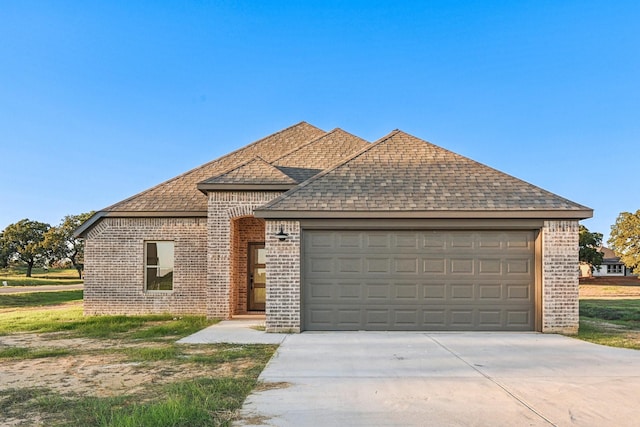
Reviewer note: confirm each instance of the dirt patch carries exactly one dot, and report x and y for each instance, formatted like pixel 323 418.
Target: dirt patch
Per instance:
pixel 618 281
pixel 610 288
pixel 609 291
pixel 94 370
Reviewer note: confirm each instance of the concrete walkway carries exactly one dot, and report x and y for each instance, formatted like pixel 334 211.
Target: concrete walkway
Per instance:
pixel 240 330
pixel 445 379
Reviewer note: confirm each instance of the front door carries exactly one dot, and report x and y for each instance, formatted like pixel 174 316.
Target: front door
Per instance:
pixel 257 275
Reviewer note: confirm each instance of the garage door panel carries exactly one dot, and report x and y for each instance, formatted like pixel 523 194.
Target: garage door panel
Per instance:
pixel 418 280
pixel 406 291
pixel 349 240
pixel 321 265
pixel 518 292
pixel 349 265
pixel 434 291
pixel 490 317
pixel 518 266
pixel 377 240
pixel 461 240
pixel 461 266
pixel 490 266
pixel 489 292
pixel 434 265
pixel 462 292
pixel 406 266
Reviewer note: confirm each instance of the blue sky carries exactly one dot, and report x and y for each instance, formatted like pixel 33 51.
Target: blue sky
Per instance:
pixel 101 100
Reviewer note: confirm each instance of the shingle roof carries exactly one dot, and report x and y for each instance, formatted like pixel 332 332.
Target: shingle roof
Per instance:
pixel 608 256
pixel 180 194
pixel 401 173
pixel 256 171
pixel 315 156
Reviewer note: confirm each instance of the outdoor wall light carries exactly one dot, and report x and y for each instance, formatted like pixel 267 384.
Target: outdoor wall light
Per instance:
pixel 281 235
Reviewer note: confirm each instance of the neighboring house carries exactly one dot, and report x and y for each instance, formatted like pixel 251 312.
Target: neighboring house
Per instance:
pixel 325 231
pixel 611 265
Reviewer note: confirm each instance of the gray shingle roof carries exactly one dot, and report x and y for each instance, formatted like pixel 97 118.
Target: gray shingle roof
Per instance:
pixel 309 159
pixel 402 173
pixel 180 194
pixel 256 171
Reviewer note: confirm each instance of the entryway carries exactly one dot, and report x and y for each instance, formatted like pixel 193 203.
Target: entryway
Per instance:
pixel 257 276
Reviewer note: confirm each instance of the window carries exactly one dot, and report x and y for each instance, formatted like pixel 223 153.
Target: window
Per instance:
pixel 614 269
pixel 158 268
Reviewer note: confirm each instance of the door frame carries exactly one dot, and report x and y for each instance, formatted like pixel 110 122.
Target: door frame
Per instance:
pixel 251 264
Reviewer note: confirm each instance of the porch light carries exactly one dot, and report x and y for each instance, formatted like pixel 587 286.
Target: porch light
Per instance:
pixel 281 235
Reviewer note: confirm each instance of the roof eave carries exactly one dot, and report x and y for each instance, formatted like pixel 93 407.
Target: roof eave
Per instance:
pixel 82 231
pixel 523 214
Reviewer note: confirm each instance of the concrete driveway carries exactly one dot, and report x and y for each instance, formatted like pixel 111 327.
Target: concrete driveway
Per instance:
pixel 445 379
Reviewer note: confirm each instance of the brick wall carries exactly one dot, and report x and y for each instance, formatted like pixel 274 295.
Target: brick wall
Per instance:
pixel 283 277
pixel 223 207
pixel 114 266
pixel 560 277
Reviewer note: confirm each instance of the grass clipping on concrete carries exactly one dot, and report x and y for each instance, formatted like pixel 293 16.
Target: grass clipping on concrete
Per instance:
pixel 60 368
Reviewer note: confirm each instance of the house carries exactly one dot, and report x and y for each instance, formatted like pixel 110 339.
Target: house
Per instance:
pixel 611 266
pixel 325 231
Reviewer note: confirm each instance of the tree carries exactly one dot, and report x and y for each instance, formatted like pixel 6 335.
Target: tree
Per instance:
pixel 625 238
pixel 589 245
pixel 63 245
pixel 25 240
pixel 4 252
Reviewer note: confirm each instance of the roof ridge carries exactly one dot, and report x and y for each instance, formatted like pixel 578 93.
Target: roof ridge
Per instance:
pixel 190 171
pixel 341 162
pixel 313 141
pixel 235 167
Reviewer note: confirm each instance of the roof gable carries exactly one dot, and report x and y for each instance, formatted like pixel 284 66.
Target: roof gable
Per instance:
pixel 401 173
pixel 180 194
pixel 254 174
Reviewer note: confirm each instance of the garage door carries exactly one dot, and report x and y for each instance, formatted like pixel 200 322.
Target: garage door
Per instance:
pixel 418 280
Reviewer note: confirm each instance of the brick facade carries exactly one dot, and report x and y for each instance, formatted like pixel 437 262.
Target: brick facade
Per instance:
pixel 114 259
pixel 560 277
pixel 210 275
pixel 224 206
pixel 283 277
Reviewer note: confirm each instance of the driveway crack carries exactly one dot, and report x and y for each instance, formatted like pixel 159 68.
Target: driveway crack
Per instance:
pixel 494 381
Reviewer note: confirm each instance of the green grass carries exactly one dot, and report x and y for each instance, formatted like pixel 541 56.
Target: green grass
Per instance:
pixel 34 281
pixel 31 353
pixel 615 323
pixel 37 299
pixel 204 400
pixel 208 401
pixel 623 311
pixel 72 321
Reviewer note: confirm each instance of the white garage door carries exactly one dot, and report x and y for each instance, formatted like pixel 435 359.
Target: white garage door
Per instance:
pixel 418 280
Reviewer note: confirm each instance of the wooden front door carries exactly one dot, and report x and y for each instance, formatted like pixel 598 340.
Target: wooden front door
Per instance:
pixel 257 276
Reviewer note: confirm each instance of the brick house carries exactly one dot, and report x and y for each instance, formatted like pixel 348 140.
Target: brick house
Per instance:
pixel 325 231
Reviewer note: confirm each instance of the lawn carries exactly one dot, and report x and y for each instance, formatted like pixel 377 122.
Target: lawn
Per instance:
pixel 17 277
pixel 37 299
pixel 60 368
pixel 610 313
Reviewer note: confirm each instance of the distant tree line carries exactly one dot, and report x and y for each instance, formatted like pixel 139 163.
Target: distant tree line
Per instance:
pixel 624 241
pixel 37 244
